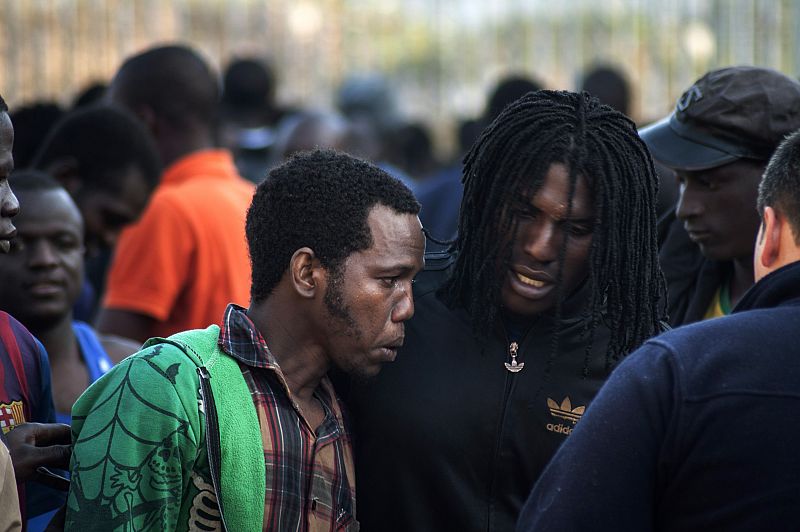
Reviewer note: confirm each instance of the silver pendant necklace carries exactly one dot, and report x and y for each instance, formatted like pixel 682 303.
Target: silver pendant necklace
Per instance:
pixel 514 367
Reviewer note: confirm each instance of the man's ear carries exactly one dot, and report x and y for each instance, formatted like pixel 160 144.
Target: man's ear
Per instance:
pixel 306 273
pixel 770 235
pixel 65 170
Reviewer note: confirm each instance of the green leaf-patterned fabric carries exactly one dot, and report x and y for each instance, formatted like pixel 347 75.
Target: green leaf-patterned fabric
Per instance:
pixel 139 460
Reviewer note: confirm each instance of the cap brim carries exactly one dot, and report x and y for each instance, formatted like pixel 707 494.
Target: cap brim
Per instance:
pixel 680 153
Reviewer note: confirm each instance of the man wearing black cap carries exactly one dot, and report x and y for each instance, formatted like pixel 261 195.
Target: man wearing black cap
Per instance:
pixel 718 140
pixel 695 431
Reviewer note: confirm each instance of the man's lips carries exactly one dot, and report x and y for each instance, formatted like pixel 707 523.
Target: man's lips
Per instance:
pixel 389 351
pixel 45 287
pixel 530 281
pixel 535 278
pixel 5 240
pixel 389 354
pixel 530 284
pixel 698 235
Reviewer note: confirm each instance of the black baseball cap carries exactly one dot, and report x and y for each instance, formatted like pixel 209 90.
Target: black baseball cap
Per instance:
pixel 732 113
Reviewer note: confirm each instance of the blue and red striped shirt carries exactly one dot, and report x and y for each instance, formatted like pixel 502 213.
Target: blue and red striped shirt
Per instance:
pixel 25 393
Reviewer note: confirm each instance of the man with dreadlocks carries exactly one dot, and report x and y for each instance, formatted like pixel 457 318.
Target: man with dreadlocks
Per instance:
pixel 694 431
pixel 553 278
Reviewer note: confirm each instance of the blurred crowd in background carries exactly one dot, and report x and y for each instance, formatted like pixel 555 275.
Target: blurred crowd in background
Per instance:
pixel 440 57
pixel 141 129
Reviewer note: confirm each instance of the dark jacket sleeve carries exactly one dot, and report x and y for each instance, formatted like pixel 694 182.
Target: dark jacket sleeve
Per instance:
pixel 606 475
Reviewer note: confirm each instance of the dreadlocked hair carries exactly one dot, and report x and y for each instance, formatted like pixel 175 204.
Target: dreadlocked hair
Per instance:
pixel 511 158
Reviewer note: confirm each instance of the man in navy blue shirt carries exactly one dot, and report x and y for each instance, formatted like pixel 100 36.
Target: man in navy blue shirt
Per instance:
pixel 695 430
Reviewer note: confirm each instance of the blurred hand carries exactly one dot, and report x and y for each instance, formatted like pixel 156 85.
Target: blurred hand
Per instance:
pixel 39 444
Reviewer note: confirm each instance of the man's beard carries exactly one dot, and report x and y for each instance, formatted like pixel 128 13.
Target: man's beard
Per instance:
pixel 338 310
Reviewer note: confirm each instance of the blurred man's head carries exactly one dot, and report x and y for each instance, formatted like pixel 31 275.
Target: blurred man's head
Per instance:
pixel 413 150
pixel 608 84
pixel 248 89
pixel 9 206
pixel 32 123
pixel 718 140
pixel 508 90
pixel 107 161
pixel 369 98
pixel 311 130
pixel 175 93
pixel 92 94
pixel 43 272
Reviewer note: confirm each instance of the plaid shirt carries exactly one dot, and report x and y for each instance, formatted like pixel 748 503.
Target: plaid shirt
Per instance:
pixel 310 477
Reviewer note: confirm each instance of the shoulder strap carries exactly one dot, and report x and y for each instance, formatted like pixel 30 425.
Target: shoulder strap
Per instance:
pixel 233 435
pixel 94 354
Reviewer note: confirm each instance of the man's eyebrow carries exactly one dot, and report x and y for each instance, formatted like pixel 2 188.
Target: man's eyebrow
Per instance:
pixel 398 269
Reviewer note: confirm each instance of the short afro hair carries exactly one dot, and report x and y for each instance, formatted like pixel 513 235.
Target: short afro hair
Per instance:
pixel 105 142
pixel 320 199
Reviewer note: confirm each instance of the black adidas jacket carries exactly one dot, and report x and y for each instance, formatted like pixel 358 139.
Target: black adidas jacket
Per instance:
pixel 445 437
pixel 694 432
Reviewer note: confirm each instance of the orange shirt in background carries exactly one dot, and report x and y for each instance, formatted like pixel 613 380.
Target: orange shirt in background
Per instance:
pixel 186 258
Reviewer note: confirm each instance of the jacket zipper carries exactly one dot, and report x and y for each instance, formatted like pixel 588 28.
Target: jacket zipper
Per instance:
pixel 508 388
pixel 212 438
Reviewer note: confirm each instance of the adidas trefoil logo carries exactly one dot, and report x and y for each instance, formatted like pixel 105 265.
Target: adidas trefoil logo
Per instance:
pixel 565 410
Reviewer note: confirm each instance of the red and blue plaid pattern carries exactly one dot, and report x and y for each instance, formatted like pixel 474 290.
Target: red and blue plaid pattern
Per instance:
pixel 310 476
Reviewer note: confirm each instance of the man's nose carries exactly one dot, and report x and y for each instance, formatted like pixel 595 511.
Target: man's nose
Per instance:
pixel 9 206
pixel 541 241
pixel 688 203
pixel 42 254
pixel 404 309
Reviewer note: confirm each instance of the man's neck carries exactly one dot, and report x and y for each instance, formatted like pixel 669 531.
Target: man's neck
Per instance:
pixel 302 361
pixel 175 147
pixel 516 326
pixel 741 279
pixel 59 340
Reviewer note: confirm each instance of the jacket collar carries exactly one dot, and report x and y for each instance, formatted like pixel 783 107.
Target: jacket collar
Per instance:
pixel 778 287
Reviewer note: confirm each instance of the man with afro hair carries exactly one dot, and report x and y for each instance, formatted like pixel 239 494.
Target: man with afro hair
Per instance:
pixel 552 279
pixel 334 245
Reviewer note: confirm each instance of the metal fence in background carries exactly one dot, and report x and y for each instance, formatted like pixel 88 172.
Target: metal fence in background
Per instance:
pixel 441 55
